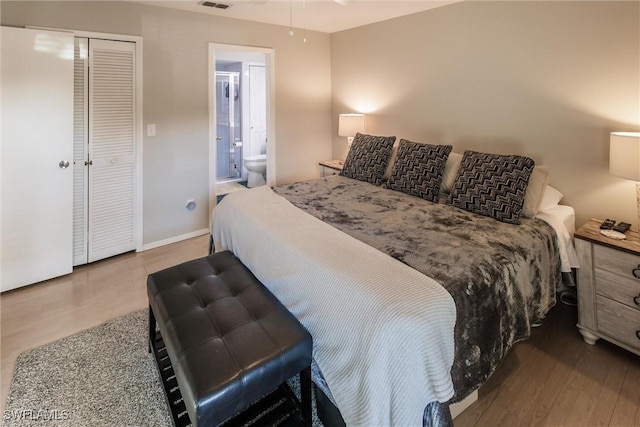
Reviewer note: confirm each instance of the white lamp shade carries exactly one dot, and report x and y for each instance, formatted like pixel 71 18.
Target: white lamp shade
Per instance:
pixel 350 124
pixel 624 155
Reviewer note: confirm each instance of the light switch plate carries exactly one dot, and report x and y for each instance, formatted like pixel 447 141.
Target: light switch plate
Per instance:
pixel 151 130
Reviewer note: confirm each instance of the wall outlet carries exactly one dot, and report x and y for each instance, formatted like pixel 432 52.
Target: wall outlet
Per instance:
pixel 151 130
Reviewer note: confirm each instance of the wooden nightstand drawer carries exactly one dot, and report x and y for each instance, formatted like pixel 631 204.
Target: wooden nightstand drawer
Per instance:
pixel 608 292
pixel 619 322
pixel 614 260
pixel 623 289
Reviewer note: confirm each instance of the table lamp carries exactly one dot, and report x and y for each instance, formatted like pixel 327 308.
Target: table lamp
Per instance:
pixel 624 159
pixel 349 125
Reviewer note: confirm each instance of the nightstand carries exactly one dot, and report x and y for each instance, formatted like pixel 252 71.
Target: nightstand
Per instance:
pixel 609 287
pixel 331 167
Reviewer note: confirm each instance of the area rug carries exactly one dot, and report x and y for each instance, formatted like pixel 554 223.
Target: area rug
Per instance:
pixel 103 376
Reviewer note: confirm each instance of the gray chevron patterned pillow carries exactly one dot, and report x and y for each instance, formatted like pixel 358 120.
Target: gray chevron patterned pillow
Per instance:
pixel 368 157
pixel 418 169
pixel 492 185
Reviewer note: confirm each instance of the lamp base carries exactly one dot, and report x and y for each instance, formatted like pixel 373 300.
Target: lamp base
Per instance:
pixel 638 202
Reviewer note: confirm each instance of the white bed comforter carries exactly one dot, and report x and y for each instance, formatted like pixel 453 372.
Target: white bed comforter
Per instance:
pixel 382 332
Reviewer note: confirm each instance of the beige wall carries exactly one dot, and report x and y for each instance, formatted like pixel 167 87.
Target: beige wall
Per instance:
pixel 546 79
pixel 176 163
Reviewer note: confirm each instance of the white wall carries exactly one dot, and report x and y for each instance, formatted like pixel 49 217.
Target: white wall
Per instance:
pixel 176 163
pixel 546 79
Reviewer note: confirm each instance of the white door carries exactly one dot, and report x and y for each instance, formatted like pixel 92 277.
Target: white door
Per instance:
pixel 112 148
pixel 80 151
pixel 37 156
pixel 258 108
pixel 104 149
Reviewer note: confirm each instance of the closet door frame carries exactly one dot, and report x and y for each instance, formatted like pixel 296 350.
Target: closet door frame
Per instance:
pixel 138 112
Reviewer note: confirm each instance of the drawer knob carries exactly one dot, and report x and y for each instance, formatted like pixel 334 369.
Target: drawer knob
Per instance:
pixel 638 334
pixel 637 300
pixel 636 272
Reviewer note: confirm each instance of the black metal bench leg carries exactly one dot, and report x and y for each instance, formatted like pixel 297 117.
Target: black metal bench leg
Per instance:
pixel 305 394
pixel 152 329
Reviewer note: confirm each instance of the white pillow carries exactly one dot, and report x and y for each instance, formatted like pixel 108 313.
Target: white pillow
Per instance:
pixel 450 172
pixel 551 198
pixel 535 191
pixel 392 159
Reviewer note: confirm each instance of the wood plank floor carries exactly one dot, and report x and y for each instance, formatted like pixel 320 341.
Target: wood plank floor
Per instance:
pixel 551 379
pixel 45 312
pixel 555 379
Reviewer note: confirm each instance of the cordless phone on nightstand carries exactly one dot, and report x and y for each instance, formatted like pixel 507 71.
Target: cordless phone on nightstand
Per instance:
pixel 610 229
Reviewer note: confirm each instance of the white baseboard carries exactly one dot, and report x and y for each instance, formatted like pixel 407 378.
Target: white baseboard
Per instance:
pixel 175 239
pixel 457 408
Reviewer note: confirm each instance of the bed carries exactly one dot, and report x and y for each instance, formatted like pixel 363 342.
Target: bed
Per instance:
pixel 355 238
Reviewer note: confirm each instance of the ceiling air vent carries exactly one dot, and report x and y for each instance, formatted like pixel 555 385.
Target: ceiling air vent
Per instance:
pixel 212 4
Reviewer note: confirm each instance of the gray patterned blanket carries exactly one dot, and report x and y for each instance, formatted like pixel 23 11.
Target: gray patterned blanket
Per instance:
pixel 502 276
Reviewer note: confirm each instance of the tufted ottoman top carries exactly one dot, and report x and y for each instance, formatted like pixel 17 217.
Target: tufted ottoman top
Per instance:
pixel 229 339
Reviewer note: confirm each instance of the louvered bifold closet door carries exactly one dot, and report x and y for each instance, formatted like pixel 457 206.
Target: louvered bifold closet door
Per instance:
pixel 80 149
pixel 111 148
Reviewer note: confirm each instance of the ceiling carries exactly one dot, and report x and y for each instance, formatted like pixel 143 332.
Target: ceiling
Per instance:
pixel 327 16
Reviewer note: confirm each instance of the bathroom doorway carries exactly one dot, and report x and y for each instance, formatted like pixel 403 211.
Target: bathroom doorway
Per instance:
pixel 242 143
pixel 228 126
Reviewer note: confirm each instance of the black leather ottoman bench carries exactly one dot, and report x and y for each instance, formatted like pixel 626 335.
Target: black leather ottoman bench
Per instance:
pixel 224 343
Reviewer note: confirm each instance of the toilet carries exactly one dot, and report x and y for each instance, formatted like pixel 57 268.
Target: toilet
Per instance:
pixel 257 167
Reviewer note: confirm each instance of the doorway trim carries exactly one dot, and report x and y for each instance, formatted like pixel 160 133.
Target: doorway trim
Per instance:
pixel 271 116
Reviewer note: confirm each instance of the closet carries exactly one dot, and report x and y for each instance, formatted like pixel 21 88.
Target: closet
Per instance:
pixel 104 149
pixel 69 136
